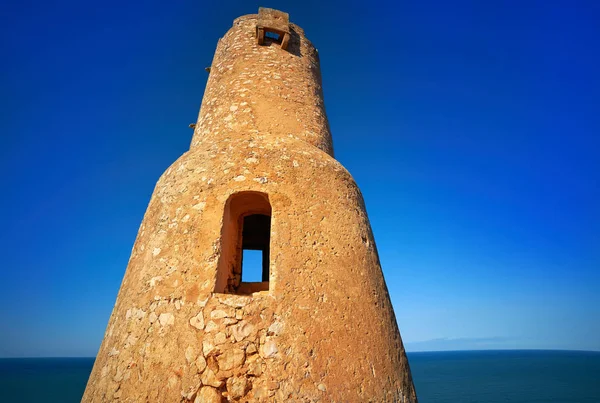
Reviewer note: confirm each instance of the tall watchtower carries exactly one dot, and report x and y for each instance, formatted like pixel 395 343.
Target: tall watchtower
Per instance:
pixel 317 323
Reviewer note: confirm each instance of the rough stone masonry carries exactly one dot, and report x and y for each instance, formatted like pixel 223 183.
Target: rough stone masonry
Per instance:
pixel 318 326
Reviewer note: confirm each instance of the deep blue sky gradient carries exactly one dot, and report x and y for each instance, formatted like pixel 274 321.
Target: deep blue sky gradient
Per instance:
pixel 471 127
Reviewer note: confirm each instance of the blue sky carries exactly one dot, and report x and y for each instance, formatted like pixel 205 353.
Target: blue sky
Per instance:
pixel 471 127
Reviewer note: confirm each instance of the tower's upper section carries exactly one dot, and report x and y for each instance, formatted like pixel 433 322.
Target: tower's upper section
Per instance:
pixel 264 80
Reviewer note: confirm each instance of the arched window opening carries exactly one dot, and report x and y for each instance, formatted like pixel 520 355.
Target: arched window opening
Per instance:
pixel 245 245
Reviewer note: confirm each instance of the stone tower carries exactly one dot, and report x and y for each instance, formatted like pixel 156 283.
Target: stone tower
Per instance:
pixel 317 325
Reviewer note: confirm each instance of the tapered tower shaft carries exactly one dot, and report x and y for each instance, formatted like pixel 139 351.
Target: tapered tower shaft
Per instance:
pixel 265 89
pixel 316 324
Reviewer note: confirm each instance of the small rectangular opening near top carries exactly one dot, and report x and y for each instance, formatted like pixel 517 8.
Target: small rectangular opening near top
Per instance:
pixel 273 26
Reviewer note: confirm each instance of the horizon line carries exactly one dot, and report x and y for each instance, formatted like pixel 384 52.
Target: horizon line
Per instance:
pixel 408 352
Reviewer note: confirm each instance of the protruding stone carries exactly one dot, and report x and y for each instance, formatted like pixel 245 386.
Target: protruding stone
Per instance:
pixel 269 349
pixel 220 338
pixel 190 354
pixel 255 368
pixel 275 328
pixel 242 330
pixel 219 314
pixel 208 394
pixel 210 326
pixel 231 358
pixel 199 206
pixel 261 393
pixel 198 321
pixel 236 301
pixel 154 280
pixel 166 319
pixel 130 341
pixel 152 317
pixel 200 363
pixel 209 378
pixel 207 347
pixel 251 349
pixel 237 387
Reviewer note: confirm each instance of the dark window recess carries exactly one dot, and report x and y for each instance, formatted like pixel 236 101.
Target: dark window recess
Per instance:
pixel 256 235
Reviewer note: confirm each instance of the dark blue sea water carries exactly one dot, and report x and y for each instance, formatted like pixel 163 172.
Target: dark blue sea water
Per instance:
pixel 440 377
pixel 507 376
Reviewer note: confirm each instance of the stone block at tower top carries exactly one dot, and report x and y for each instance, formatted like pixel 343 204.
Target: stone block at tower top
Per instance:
pixel 269 18
pixel 273 22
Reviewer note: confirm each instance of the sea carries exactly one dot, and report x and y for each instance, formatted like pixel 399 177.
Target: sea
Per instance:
pixel 523 376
